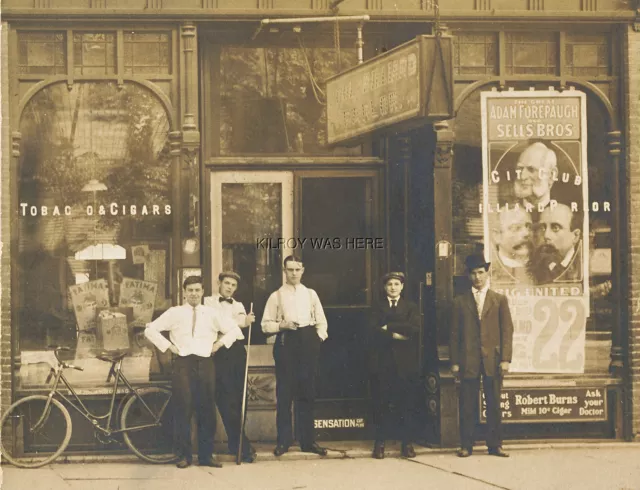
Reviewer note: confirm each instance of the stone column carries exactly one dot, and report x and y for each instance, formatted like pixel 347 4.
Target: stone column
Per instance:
pixel 443 230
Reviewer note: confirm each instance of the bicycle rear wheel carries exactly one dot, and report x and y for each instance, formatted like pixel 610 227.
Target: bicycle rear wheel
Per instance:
pixel 34 434
pixel 147 421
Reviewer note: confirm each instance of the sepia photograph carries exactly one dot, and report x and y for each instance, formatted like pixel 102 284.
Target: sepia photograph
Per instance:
pixel 311 244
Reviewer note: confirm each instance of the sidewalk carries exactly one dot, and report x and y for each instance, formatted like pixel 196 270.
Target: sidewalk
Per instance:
pixel 584 466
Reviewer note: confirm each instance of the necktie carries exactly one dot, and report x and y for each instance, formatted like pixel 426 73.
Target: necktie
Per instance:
pixel 193 322
pixel 393 304
pixel 478 305
pixel 222 299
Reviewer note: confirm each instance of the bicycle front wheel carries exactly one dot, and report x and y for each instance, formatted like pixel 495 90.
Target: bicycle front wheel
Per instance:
pixel 34 433
pixel 147 422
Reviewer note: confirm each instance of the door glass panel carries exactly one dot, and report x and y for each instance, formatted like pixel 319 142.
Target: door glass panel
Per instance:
pixel 251 211
pixel 336 215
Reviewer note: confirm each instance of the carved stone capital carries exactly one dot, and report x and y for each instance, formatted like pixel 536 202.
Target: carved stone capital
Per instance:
pixel 444 144
pixel 614 142
pixel 16 138
pixel 175 143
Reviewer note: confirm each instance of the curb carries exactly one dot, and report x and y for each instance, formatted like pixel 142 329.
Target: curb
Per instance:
pixel 358 450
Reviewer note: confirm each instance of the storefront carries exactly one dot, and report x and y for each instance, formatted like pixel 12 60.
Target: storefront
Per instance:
pixel 158 141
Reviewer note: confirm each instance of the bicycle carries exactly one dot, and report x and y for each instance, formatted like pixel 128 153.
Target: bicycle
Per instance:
pixel 43 422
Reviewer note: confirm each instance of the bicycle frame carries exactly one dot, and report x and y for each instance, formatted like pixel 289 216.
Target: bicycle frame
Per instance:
pixel 116 372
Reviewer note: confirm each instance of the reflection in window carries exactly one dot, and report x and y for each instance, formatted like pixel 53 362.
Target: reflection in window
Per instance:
pixel 268 102
pixel 41 53
pixel 251 212
pixel 94 188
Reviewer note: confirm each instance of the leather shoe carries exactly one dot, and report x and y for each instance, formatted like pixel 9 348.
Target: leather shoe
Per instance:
pixel 250 456
pixel 314 448
pixel 183 463
pixel 210 461
pixel 463 453
pixel 280 450
pixel 498 451
pixel 378 450
pixel 408 451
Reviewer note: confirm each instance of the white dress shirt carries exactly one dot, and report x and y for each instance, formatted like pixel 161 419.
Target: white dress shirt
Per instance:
pixel 178 321
pixel 233 311
pixel 480 295
pixel 300 305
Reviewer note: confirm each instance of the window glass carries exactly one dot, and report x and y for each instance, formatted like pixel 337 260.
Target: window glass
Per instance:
pixel 147 52
pixel 42 53
pixel 476 54
pixel 94 53
pixel 531 53
pixel 94 227
pixel 334 267
pixel 468 226
pixel 588 55
pixel 269 103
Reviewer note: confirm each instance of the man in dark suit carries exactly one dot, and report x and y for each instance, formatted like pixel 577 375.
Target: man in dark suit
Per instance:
pixel 393 365
pixel 481 335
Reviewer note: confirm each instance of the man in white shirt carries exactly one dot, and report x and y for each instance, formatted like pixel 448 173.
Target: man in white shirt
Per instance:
pixel 230 363
pixel 193 333
pixel 295 315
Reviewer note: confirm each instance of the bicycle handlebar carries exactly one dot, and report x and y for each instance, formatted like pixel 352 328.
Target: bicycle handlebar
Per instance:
pixel 60 348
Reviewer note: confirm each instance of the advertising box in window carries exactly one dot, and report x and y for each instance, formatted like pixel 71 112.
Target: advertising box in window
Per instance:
pixel 535 215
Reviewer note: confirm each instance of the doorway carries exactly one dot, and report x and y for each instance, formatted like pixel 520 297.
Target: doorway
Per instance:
pixel 332 218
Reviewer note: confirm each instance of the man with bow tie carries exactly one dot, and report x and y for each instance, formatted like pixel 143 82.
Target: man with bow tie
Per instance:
pixel 394 333
pixel 481 335
pixel 230 363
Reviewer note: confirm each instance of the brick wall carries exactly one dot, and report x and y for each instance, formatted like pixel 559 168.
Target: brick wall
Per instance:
pixel 5 214
pixel 632 137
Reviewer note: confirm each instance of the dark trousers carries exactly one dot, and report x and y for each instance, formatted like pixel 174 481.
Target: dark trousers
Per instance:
pixel 194 386
pixel 296 355
pixel 230 365
pixel 395 405
pixel 470 406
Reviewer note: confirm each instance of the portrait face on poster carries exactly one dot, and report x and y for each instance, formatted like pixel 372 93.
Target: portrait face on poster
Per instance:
pixel 535 212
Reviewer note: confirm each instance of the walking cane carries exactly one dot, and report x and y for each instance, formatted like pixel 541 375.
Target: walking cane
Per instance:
pixel 244 395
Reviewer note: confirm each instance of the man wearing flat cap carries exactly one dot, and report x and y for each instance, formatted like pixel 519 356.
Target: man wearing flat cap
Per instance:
pixel 230 363
pixel 481 335
pixel 393 349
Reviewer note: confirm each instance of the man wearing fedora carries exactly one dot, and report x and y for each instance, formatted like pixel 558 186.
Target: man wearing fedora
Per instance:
pixel 393 348
pixel 481 335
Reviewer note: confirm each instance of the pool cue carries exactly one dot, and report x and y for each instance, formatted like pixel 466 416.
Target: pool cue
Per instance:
pixel 244 395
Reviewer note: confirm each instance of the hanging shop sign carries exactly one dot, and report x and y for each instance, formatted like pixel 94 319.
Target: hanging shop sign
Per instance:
pixel 535 212
pixel 409 85
pixel 550 405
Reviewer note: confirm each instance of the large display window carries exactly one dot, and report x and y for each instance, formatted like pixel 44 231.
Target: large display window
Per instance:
pixel 584 55
pixel 95 217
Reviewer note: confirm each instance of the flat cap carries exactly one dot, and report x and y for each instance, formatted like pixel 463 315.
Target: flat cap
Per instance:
pixel 230 274
pixel 393 275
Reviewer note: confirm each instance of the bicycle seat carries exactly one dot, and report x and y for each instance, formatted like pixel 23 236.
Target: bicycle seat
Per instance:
pixel 108 357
